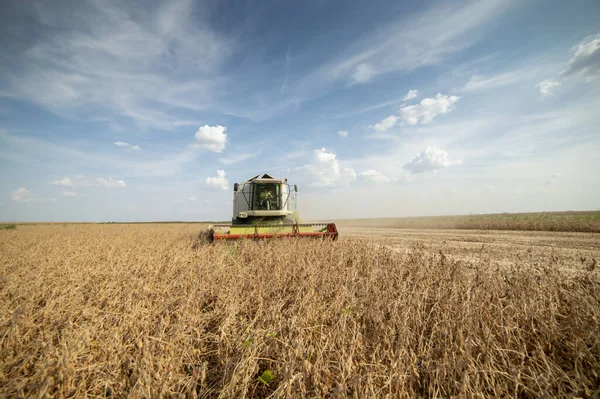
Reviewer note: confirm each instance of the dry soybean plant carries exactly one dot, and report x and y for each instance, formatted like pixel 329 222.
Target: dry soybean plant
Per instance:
pixel 148 311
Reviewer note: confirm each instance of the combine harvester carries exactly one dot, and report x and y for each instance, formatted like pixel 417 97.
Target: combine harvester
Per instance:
pixel 265 207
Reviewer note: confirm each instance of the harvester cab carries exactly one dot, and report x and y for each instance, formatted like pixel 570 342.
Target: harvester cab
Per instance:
pixel 265 207
pixel 264 200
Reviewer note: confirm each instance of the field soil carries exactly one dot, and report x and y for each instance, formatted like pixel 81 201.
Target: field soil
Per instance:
pixel 580 221
pixel 571 251
pixel 151 310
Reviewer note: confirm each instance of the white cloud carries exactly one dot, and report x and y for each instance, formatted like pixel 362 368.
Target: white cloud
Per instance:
pixel 375 176
pixel 69 193
pixel 362 110
pixel 108 55
pixel 547 85
pixel 325 170
pixel 428 109
pixel 65 181
pixel 424 112
pixel 385 124
pixel 211 138
pixel 363 73
pixel 415 40
pixel 83 181
pixel 193 200
pixel 218 182
pixel 411 94
pixel 109 183
pixel 586 59
pixel 343 133
pixel 168 165
pixel 478 82
pixel 127 145
pixel 430 159
pixel 23 196
pixel 585 63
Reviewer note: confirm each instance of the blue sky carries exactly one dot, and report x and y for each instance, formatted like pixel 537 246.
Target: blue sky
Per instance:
pixel 141 111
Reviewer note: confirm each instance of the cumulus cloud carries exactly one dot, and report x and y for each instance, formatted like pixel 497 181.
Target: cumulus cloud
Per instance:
pixel 428 109
pixel 430 159
pixel 424 112
pixel 584 63
pixel 411 94
pixel 83 181
pixel 109 183
pixel 375 176
pixel 586 59
pixel 547 85
pixel 69 193
pixel 65 181
pixel 219 181
pixel 343 133
pixel 23 196
pixel 325 170
pixel 385 124
pixel 211 138
pixel 122 144
pixel 193 200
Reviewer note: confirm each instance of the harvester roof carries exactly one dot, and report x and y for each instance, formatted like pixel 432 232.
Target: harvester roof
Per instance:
pixel 264 179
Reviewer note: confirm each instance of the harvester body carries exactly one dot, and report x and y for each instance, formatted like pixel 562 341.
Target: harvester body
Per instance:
pixel 263 200
pixel 265 207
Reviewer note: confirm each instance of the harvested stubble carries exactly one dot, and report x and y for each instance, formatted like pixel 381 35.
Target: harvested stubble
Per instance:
pixel 148 311
pixel 583 221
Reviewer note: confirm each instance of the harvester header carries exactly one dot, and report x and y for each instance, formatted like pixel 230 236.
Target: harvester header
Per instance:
pixel 265 207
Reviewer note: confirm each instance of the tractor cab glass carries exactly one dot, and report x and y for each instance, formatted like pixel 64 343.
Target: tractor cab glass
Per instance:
pixel 267 197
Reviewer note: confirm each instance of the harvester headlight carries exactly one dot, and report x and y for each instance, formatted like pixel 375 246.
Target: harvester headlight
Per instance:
pixel 242 215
